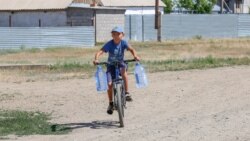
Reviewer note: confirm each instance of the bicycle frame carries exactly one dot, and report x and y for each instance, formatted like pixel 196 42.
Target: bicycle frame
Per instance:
pixel 115 82
pixel 118 94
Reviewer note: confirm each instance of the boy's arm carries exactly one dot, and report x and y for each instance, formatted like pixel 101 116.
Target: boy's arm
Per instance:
pixel 99 53
pixel 133 52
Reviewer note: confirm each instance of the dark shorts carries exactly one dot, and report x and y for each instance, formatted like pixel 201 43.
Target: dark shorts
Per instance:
pixel 111 71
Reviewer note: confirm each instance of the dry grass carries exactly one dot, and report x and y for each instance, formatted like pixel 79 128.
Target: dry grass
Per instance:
pixel 48 56
pixel 194 48
pixel 173 49
pixel 148 51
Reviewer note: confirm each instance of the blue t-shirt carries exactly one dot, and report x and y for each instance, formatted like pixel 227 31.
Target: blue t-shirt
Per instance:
pixel 116 52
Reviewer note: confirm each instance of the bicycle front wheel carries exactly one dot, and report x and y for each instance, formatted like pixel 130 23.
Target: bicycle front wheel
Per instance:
pixel 120 108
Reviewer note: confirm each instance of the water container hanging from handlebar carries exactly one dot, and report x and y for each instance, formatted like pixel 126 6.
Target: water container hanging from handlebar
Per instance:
pixel 140 76
pixel 101 79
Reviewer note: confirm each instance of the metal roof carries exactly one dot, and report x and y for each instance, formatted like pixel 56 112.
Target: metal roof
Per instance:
pixel 133 3
pixel 98 2
pixel 87 6
pixel 18 5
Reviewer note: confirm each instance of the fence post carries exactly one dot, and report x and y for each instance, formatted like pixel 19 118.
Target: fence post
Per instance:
pixel 39 22
pixel 130 34
pixel 10 22
pixel 159 27
pixel 142 28
pixel 158 20
pixel 94 22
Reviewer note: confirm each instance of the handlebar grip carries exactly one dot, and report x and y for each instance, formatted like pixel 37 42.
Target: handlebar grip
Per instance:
pixel 107 63
pixel 130 60
pixel 102 63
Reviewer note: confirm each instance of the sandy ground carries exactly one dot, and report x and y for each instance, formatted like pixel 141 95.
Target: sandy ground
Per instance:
pixel 193 105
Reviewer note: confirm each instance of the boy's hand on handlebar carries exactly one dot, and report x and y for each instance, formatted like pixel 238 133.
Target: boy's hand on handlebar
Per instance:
pixel 137 58
pixel 95 62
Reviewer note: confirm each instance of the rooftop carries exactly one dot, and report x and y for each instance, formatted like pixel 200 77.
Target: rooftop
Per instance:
pixel 18 5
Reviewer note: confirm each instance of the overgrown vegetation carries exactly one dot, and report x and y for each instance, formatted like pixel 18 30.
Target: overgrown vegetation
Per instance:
pixel 66 63
pixel 195 63
pixel 27 123
pixel 74 66
pixel 165 65
pixel 169 6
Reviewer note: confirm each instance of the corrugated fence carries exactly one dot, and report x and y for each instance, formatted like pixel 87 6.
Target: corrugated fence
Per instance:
pixel 244 26
pixel 137 28
pixel 141 28
pixel 41 37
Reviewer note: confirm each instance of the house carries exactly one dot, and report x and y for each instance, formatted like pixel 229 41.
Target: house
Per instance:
pixel 30 13
pixel 235 6
pixel 134 7
pixel 60 13
pixel 46 13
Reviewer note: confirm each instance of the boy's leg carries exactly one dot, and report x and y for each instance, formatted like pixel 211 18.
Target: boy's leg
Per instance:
pixel 110 91
pixel 125 78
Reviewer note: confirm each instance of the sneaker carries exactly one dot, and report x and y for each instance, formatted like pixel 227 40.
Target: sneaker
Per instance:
pixel 128 97
pixel 110 108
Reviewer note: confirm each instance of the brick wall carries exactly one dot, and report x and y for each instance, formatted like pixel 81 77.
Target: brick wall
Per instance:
pixel 106 20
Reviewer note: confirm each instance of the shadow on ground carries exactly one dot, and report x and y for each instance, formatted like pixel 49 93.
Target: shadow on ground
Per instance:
pixel 92 125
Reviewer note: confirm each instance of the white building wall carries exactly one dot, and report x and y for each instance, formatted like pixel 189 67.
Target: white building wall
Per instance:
pixel 141 10
pixel 246 6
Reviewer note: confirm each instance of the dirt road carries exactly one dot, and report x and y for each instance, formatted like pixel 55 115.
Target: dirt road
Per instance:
pixel 206 105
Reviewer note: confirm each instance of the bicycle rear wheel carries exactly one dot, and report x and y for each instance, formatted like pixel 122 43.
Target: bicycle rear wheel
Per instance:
pixel 120 108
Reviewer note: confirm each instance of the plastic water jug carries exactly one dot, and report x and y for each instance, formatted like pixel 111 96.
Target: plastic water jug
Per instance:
pixel 140 76
pixel 101 79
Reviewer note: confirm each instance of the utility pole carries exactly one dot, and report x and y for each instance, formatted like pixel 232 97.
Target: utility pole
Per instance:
pixel 158 20
pixel 156 14
pixel 221 6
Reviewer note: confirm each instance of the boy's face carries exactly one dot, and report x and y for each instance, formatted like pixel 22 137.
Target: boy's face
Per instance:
pixel 117 37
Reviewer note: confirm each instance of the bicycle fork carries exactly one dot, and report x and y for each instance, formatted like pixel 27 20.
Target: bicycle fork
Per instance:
pixel 123 96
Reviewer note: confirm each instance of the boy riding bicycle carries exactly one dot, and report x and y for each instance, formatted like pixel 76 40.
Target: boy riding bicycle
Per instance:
pixel 115 49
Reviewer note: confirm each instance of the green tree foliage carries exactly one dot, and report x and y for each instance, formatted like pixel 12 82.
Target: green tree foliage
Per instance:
pixel 187 4
pixel 169 6
pixel 198 6
pixel 204 6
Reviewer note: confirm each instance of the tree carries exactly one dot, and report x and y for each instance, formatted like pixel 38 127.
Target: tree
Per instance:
pixel 169 6
pixel 187 4
pixel 204 6
pixel 198 6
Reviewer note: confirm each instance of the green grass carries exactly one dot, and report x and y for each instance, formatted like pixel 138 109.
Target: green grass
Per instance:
pixel 27 123
pixel 88 68
pixel 156 56
pixel 158 66
pixel 72 66
pixel 195 63
pixel 9 51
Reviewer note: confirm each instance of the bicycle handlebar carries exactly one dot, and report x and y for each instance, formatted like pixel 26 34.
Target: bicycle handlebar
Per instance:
pixel 114 62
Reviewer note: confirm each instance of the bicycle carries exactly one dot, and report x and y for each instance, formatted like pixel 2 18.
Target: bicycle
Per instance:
pixel 118 94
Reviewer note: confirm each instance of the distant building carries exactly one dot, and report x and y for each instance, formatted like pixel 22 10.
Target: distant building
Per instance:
pixel 134 7
pixel 235 6
pixel 55 13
